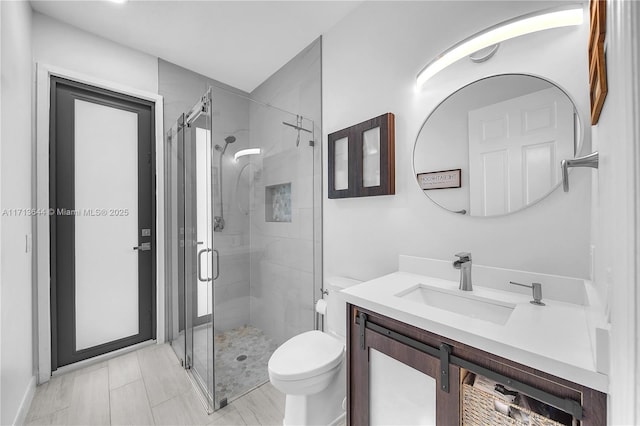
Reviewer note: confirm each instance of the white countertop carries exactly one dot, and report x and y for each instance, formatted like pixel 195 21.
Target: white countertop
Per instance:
pixel 554 338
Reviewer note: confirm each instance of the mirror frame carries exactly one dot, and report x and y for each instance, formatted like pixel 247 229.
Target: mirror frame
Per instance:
pixel 581 128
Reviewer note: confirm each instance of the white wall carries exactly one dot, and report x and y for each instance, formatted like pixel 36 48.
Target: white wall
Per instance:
pixel 370 61
pixel 16 369
pixel 61 45
pixel 615 211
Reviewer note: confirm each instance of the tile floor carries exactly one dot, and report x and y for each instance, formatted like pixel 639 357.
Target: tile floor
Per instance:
pixel 145 387
pixel 234 377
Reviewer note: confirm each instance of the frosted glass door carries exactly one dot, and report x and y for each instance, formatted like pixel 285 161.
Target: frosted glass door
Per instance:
pixel 103 223
pixel 400 394
pixel 106 224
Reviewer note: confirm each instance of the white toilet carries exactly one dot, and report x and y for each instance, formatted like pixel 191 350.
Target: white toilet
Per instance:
pixel 310 369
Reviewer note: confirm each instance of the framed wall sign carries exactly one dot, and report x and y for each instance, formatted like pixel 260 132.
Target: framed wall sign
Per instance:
pixel 362 159
pixel 440 180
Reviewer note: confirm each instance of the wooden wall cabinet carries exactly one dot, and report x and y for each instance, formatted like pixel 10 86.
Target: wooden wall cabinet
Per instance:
pixel 385 335
pixel 362 159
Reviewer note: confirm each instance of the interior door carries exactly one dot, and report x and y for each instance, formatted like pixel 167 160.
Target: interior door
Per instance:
pixel 103 221
pixel 514 154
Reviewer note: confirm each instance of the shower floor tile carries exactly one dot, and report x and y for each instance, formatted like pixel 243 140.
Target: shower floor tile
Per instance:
pixel 242 355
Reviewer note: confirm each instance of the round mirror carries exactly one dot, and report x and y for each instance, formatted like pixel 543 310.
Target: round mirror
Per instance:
pixel 494 147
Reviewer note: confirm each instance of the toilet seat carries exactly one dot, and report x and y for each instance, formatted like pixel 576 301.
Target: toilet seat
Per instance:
pixel 306 355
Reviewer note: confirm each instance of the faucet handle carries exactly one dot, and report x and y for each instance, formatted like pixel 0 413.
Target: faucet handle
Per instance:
pixel 537 292
pixel 464 256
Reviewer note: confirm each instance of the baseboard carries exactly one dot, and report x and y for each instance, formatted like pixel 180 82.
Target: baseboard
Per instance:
pixel 21 415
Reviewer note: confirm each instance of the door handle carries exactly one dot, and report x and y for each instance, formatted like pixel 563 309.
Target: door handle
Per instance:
pixel 200 277
pixel 217 264
pixel 143 247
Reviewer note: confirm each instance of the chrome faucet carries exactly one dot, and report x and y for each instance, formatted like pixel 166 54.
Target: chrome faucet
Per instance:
pixel 464 264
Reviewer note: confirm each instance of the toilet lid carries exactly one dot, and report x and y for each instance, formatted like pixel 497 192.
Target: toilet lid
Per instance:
pixel 306 355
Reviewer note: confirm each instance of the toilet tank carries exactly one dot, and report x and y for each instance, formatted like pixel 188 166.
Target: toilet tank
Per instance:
pixel 335 320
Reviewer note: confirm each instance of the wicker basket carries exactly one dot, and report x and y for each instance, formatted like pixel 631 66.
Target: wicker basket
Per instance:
pixel 478 410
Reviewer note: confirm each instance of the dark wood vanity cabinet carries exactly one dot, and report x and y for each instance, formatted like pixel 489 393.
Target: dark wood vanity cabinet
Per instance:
pixel 447 361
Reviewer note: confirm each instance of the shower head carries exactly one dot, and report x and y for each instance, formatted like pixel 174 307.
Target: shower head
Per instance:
pixel 227 141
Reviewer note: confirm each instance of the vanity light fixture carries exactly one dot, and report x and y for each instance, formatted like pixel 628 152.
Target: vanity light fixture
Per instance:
pixel 243 152
pixel 525 24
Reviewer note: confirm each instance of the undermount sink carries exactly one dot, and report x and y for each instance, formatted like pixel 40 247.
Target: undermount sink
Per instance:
pixel 459 302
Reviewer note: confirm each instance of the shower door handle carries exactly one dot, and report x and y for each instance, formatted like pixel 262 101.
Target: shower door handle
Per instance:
pixel 217 264
pixel 199 262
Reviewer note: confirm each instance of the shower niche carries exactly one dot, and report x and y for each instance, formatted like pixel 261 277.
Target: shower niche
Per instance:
pixel 277 203
pixel 238 284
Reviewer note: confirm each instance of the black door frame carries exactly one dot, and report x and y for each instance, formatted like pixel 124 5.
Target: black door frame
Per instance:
pixel 147 296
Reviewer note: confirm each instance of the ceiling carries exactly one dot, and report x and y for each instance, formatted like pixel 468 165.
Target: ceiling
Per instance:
pixel 240 43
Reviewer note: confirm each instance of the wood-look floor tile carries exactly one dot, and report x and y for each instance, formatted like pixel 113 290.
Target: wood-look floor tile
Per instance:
pixel 130 406
pixel 59 417
pixel 123 369
pixel 183 409
pixel 227 416
pixel 256 408
pixel 51 397
pixel 163 376
pixel 90 368
pixel 143 388
pixel 90 399
pixel 276 397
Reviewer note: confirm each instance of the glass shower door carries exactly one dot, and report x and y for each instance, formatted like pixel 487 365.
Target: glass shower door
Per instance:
pixel 199 252
pixel 247 173
pixel 175 234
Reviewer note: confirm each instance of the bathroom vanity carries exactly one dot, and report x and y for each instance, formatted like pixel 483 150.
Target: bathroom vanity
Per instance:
pixel 414 339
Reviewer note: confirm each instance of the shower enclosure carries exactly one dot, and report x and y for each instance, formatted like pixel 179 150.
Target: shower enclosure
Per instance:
pixel 242 247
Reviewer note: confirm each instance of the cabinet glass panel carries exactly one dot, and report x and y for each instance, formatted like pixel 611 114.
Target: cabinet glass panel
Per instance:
pixel 371 157
pixel 399 394
pixel 342 164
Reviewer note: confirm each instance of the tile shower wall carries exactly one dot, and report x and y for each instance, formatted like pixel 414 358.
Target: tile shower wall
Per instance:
pixel 181 88
pixel 285 262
